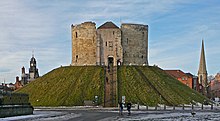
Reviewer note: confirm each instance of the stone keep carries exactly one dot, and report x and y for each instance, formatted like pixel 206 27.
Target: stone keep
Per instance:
pixel 127 45
pixel 135 44
pixel 109 37
pixel 84 44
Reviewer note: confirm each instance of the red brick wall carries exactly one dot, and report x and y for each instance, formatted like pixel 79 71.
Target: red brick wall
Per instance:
pixel 187 81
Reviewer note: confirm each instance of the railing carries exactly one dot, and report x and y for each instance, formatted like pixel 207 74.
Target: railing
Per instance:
pixel 181 107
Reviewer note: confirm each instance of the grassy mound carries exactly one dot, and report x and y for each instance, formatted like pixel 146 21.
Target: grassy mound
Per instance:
pixel 152 86
pixel 66 86
pixel 70 86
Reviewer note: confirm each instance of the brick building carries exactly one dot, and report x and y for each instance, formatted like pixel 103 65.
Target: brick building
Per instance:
pixel 215 86
pixel 185 78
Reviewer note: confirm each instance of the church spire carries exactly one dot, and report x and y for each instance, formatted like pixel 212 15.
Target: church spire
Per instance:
pixel 32 53
pixel 202 64
pixel 202 73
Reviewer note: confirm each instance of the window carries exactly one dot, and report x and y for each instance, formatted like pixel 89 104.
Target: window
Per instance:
pixel 110 44
pixel 76 58
pixel 76 35
pixel 142 56
pixel 105 43
pixel 127 40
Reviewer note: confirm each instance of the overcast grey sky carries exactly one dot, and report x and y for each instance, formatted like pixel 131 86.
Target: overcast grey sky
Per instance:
pixel 176 28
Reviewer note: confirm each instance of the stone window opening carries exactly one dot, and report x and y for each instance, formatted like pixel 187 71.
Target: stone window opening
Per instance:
pixel 201 78
pixel 106 44
pixel 142 56
pixel 110 43
pixel 76 58
pixel 76 35
pixel 127 40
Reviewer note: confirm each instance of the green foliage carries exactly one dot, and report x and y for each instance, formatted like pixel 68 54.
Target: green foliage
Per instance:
pixel 66 86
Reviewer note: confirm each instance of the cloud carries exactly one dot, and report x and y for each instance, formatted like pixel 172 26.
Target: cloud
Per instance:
pixel 176 28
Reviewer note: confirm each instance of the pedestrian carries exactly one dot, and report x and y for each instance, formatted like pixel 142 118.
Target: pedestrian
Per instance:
pixel 120 108
pixel 129 108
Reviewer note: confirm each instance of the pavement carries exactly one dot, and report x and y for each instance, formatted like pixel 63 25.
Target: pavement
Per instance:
pixel 112 114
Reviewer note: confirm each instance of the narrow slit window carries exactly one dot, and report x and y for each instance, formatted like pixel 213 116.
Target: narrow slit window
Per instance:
pixel 76 58
pixel 76 35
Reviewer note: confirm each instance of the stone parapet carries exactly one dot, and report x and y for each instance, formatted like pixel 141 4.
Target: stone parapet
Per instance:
pixel 15 110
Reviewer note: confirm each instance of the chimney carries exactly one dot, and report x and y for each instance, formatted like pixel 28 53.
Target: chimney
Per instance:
pixel 23 70
pixel 17 79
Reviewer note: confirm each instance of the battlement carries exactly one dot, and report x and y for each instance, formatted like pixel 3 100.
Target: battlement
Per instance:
pixel 88 24
pixel 139 27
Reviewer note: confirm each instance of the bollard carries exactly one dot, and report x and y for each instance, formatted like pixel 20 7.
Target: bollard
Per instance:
pixel 156 107
pixel 202 106
pixel 138 106
pixel 173 107
pixel 164 108
pixel 183 107
pixel 211 106
pixel 146 107
pixel 192 106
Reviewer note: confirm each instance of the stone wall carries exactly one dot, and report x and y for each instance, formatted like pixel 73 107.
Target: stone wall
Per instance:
pixel 15 110
pixel 135 44
pixel 110 45
pixel 127 45
pixel 84 42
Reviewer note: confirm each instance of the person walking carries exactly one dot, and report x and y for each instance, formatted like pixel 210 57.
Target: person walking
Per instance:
pixel 121 108
pixel 129 108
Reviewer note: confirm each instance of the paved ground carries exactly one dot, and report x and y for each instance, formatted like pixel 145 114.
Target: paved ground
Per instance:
pixel 84 114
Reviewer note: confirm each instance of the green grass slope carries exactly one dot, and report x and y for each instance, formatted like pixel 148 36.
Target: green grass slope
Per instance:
pixel 66 86
pixel 152 86
pixel 70 86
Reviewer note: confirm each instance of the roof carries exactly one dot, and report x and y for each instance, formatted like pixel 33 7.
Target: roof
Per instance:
pixel 33 59
pixel 175 73
pixel 108 25
pixel 189 74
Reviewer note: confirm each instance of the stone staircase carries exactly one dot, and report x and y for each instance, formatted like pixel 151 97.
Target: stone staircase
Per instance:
pixel 110 86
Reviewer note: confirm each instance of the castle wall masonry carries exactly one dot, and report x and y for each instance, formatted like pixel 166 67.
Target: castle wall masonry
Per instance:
pixel 127 45
pixel 84 43
pixel 135 44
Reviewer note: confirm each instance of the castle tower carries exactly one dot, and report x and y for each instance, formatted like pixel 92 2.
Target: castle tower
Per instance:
pixel 33 71
pixel 135 44
pixel 110 44
pixel 24 77
pixel 84 44
pixel 202 73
